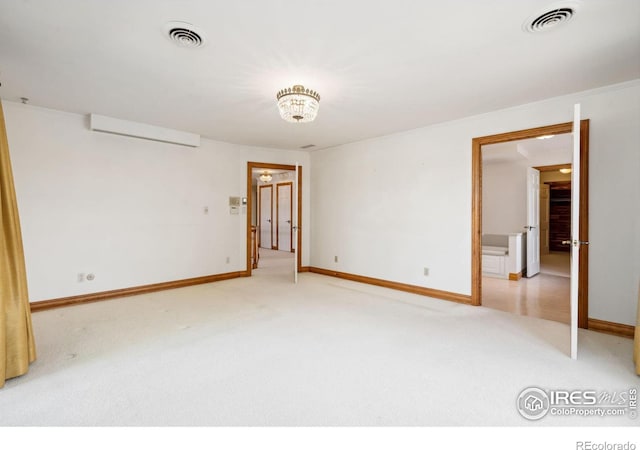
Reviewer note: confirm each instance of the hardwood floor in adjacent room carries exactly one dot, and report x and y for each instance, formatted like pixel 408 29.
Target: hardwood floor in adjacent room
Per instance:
pixel 543 296
pixel 556 263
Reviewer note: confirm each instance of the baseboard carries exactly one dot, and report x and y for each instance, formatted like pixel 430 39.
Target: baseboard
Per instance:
pixel 617 329
pixel 435 293
pixel 136 290
pixel 515 276
pixel 304 269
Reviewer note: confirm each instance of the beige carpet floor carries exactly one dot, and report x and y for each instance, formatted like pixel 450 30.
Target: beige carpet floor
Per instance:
pixel 262 351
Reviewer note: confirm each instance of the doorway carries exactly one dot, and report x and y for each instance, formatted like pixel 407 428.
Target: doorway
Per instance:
pixel 555 219
pixel 516 261
pixel 275 234
pixel 476 200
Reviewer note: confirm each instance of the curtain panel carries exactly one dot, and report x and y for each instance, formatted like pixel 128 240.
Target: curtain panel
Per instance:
pixel 17 345
pixel 636 344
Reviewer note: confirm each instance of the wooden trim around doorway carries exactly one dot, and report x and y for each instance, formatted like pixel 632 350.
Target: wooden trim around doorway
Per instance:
pixel 553 168
pixel 476 207
pixel 259 165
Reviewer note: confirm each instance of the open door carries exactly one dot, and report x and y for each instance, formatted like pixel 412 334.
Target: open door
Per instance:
pixel 294 216
pixel 265 213
pixel 284 207
pixel 533 222
pixel 575 231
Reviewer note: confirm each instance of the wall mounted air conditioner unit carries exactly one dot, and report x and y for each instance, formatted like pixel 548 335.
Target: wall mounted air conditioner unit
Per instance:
pixel 141 130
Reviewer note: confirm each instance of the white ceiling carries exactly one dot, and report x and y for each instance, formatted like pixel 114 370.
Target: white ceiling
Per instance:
pixel 536 152
pixel 379 66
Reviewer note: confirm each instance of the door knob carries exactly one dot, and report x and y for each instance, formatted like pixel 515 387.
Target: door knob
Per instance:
pixel 576 242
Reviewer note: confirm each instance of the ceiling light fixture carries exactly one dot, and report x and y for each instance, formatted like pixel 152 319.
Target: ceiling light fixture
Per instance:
pixel 265 177
pixel 546 136
pixel 298 104
pixel 565 170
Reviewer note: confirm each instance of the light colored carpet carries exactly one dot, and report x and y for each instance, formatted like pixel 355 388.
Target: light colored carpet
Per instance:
pixel 262 351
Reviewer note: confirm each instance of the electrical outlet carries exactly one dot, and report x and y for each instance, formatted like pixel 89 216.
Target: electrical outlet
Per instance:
pixel 228 260
pixel 80 277
pixel 335 259
pixel 206 210
pixel 90 277
pixel 426 271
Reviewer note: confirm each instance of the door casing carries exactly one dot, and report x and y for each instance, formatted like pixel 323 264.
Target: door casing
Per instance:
pixel 259 165
pixel 476 207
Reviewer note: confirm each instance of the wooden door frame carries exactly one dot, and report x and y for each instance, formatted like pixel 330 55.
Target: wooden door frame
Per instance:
pixel 259 165
pixel 290 184
pixel 259 210
pixel 476 207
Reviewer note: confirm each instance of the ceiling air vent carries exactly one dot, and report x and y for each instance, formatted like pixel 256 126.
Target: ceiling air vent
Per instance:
pixel 184 34
pixel 308 146
pixel 553 16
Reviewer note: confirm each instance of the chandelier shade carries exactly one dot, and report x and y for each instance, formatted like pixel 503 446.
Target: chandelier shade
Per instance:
pixel 298 104
pixel 265 177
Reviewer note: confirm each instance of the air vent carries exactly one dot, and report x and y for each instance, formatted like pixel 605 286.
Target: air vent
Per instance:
pixel 308 146
pixel 553 16
pixel 184 34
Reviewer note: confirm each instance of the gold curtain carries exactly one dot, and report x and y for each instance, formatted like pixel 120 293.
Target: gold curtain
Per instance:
pixel 17 346
pixel 636 344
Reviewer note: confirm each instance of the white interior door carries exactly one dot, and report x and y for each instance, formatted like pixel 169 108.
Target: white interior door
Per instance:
pixel 265 214
pixel 533 222
pixel 575 230
pixel 296 226
pixel 284 211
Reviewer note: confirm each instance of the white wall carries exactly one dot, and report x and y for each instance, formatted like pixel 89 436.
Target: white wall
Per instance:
pixel 392 205
pixel 128 210
pixel 504 197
